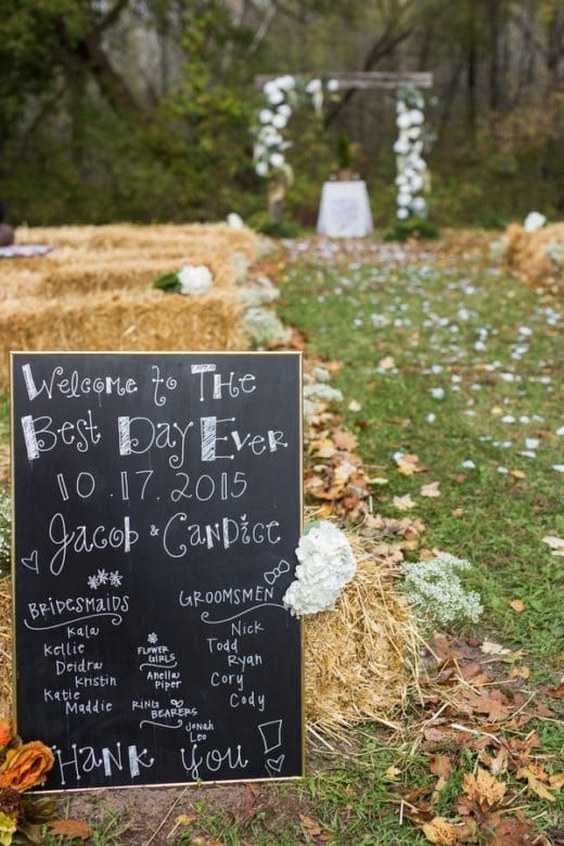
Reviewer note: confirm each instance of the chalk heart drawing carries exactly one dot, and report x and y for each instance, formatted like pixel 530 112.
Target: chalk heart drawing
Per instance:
pixel 177 703
pixel 31 562
pixel 274 765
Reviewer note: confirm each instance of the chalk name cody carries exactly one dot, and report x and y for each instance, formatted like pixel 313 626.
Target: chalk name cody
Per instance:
pixel 218 440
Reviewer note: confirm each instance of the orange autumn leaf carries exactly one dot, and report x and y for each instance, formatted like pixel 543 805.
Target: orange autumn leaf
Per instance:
pixel 5 732
pixel 26 766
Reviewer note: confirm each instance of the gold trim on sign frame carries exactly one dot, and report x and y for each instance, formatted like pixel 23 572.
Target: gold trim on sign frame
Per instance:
pixel 300 446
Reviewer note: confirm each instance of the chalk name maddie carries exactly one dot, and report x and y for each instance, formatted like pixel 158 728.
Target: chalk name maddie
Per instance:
pixel 157 501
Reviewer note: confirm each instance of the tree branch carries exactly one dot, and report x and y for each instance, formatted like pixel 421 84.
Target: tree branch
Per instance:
pixel 112 16
pixel 383 47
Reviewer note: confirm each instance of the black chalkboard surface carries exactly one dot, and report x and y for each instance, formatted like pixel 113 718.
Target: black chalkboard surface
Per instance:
pixel 157 509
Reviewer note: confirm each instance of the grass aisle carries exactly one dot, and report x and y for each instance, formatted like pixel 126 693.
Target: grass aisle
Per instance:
pixel 463 367
pixel 457 363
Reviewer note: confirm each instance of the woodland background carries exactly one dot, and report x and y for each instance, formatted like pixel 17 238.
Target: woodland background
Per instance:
pixel 141 110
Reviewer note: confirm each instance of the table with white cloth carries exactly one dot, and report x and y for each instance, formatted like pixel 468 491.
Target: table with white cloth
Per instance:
pixel 344 211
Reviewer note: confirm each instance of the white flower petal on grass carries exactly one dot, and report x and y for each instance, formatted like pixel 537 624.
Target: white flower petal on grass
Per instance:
pixel 437 393
pixel 503 471
pixel 558 467
pixel 560 431
pixel 468 464
pixel 326 565
pixel 532 443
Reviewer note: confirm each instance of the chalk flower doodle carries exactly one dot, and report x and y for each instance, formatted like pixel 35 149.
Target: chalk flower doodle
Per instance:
pixel 326 565
pixel 191 280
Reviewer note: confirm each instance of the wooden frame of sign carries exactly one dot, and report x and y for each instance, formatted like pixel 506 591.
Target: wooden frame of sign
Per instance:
pixel 158 506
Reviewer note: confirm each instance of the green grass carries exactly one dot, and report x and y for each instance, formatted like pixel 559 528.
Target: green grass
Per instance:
pixel 489 349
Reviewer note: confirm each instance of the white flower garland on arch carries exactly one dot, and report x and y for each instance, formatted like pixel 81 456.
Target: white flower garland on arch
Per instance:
pixel 282 96
pixel 413 138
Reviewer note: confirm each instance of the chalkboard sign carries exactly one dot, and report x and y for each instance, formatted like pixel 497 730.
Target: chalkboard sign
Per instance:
pixel 157 510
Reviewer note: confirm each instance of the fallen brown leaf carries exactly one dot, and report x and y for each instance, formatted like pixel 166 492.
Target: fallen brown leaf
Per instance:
pixel 310 826
pixel 518 605
pixel 534 781
pixel 483 789
pixel 556 692
pixel 345 440
pixel 404 503
pixel 516 831
pixel 70 828
pixel 441 832
pixel 441 766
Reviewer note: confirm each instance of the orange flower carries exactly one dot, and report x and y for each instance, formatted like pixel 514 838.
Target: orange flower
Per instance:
pixel 5 732
pixel 26 766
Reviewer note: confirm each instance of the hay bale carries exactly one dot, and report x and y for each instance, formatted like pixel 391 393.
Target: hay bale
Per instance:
pixel 90 258
pixel 6 685
pixel 360 658
pixel 537 257
pixel 149 320
pixel 94 291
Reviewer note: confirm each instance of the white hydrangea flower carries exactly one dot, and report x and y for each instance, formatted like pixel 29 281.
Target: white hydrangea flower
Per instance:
pixel 261 168
pixel 403 120
pixel 286 82
pixel 326 565
pixel 333 85
pixel 195 279
pixel 285 110
pixel 534 220
pixel 401 146
pixel 266 115
pixel 275 96
pixel 235 221
pixel 279 121
pixel 276 160
pixel 313 86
